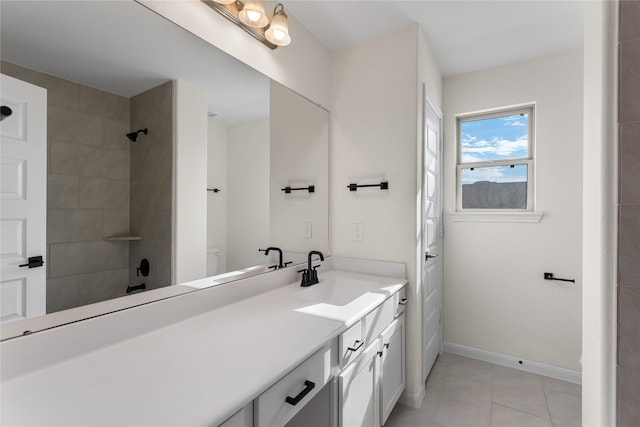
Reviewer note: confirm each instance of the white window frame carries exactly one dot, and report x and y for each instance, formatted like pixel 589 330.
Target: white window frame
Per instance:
pixel 498 214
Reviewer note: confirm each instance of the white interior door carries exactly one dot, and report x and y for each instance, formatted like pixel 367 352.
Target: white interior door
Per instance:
pixel 23 188
pixel 431 237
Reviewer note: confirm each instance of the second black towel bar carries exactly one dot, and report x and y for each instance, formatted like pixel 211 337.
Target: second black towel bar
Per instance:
pixel 549 276
pixel 383 186
pixel 310 189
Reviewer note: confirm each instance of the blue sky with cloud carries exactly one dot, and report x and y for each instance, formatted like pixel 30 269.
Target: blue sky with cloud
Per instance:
pixel 499 138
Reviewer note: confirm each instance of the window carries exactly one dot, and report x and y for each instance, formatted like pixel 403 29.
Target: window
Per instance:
pixel 495 161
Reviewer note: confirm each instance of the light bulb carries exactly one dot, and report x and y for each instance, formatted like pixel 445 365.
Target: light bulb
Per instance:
pixel 253 15
pixel 278 31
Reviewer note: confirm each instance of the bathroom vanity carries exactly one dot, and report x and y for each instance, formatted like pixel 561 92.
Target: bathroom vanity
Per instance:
pixel 261 351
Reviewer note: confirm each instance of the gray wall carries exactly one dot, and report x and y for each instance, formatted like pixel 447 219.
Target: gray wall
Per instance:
pixel 629 217
pixel 494 195
pixel 87 190
pixel 95 178
pixel 151 185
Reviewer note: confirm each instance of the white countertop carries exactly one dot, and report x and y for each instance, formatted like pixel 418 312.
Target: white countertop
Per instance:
pixel 198 371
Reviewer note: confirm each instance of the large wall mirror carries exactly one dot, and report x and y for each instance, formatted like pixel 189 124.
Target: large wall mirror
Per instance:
pixel 112 71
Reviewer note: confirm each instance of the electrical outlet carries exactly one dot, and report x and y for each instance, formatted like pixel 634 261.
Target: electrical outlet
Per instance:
pixel 358 232
pixel 308 226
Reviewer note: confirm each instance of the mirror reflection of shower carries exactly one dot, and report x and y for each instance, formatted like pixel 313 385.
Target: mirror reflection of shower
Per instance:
pixel 133 136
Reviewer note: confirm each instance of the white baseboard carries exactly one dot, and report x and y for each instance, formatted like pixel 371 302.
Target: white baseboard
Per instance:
pixel 412 400
pixel 513 362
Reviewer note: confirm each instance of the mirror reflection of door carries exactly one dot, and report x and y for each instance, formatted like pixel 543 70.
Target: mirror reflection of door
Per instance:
pixel 23 180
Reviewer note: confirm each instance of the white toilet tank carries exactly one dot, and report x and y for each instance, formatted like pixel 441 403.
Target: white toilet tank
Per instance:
pixel 212 261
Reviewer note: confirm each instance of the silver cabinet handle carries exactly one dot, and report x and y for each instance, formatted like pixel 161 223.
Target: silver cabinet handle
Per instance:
pixel 403 302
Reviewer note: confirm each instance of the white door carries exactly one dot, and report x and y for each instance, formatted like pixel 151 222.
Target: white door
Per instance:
pixel 358 404
pixel 431 237
pixel 23 187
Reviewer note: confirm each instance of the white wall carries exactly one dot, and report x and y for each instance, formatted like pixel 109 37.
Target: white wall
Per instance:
pixel 495 298
pixel 248 198
pixel 190 183
pixel 299 158
pixel 303 66
pixel 376 117
pixel 217 202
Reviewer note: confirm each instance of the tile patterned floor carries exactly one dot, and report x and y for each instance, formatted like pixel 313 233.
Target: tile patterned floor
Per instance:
pixel 462 392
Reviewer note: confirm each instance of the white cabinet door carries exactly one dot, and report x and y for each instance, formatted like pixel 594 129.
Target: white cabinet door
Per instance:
pixel 23 194
pixel 358 384
pixel 392 372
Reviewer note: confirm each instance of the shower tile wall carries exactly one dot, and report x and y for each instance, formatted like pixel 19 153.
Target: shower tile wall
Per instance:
pixel 629 216
pixel 151 187
pixel 87 190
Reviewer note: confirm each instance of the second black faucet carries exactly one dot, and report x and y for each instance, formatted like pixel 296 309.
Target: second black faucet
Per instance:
pixel 310 275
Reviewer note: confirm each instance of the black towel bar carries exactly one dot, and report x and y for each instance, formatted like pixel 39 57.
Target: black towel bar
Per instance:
pixel 310 189
pixel 383 186
pixel 549 276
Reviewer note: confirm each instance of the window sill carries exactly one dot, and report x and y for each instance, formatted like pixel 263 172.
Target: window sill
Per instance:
pixel 497 217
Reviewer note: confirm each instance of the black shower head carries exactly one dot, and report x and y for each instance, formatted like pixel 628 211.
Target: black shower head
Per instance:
pixel 134 135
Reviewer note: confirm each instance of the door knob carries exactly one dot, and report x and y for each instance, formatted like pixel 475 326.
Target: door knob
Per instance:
pixel 34 261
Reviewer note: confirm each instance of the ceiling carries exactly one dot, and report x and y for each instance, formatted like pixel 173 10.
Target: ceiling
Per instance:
pixel 123 48
pixel 465 35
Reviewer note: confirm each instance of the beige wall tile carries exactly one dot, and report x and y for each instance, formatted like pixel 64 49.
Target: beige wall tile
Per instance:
pixel 153 100
pixel 630 163
pixel 63 191
pixel 73 225
pixel 104 193
pixel 629 246
pixel 74 126
pixel 629 20
pixel 628 331
pixel 68 158
pixel 62 293
pixel 101 286
pixel 115 132
pixel 629 96
pixel 100 103
pixel 87 257
pixel 116 222
pixel 116 163
pixel 628 397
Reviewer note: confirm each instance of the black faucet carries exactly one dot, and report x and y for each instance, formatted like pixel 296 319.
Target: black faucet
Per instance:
pixel 310 275
pixel 280 264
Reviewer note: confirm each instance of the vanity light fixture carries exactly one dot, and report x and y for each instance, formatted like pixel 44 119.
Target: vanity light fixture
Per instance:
pixel 251 17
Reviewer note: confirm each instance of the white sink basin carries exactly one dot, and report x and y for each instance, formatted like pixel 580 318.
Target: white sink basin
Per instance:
pixel 336 291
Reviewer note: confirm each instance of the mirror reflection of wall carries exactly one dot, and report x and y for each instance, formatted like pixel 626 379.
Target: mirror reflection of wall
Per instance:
pixel 100 184
pixel 299 158
pixel 238 216
pixel 104 191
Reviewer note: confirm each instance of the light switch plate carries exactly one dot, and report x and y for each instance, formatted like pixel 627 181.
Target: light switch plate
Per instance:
pixel 358 232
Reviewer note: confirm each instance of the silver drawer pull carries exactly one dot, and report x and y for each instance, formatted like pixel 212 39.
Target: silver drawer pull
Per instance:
pixel 357 346
pixel 403 302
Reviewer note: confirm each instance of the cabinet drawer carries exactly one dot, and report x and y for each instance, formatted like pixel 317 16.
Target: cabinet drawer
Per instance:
pixel 401 301
pixel 379 319
pixel 351 344
pixel 277 405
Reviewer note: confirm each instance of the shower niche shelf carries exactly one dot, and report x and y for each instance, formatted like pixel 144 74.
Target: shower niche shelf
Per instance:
pixel 122 238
